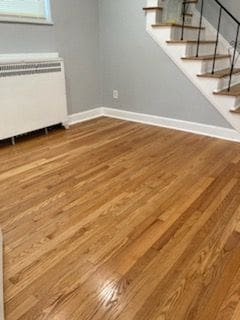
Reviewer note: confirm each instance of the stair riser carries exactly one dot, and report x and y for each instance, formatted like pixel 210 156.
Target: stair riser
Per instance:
pixel 191 49
pixel 209 85
pixel 191 7
pixel 160 35
pixel 217 85
pixel 153 3
pixel 229 103
pixel 204 49
pixel 223 83
pixel 189 34
pixel 219 65
pixel 237 103
pixel 194 66
pixel 153 17
pixel 188 20
pixel 180 49
pixel 159 16
pixel 200 66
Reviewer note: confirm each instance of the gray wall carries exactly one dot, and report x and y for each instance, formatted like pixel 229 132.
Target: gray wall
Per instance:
pixel 75 35
pixel 147 80
pixel 233 6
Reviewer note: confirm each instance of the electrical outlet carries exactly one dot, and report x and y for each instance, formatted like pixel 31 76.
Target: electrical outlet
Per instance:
pixel 115 94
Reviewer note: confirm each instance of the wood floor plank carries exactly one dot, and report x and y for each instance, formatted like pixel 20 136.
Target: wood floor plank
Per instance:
pixel 113 220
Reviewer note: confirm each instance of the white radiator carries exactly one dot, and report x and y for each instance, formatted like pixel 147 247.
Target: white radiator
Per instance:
pixel 32 94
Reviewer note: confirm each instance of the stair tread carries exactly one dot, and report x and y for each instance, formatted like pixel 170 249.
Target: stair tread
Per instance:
pixel 152 8
pixel 207 57
pixel 219 74
pixel 176 25
pixel 190 41
pixel 236 110
pixel 235 91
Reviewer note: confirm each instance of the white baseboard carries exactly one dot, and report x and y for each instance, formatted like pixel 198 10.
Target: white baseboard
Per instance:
pixel 187 126
pixel 85 116
pixel 193 127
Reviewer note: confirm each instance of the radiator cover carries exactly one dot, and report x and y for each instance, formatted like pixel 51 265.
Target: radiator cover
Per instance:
pixel 32 96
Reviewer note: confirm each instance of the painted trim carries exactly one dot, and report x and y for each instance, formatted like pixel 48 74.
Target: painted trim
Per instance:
pixel 47 20
pixel 17 20
pixel 85 116
pixel 187 126
pixel 28 57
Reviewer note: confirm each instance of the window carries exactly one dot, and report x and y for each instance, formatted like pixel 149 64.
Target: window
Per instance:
pixel 26 11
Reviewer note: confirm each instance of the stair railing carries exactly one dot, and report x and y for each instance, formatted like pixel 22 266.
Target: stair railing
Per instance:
pixel 200 29
pixel 185 6
pixel 221 9
pixel 184 11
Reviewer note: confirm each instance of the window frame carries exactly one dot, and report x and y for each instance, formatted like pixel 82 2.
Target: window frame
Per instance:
pixel 31 20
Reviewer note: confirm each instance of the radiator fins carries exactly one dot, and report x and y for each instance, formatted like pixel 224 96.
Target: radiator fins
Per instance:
pixel 14 70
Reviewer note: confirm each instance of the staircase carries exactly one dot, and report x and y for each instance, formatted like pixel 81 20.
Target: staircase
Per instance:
pixel 201 52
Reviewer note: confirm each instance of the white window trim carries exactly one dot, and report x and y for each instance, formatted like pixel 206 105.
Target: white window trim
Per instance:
pixel 20 19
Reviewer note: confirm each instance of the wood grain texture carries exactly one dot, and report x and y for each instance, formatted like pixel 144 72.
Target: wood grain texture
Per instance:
pixel 219 74
pixel 113 220
pixel 234 91
pixel 207 57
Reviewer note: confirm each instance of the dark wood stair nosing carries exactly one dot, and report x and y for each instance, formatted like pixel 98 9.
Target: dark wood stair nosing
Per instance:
pixel 234 91
pixel 206 57
pixel 202 42
pixel 190 1
pixel 219 74
pixel 236 111
pixel 152 8
pixel 176 25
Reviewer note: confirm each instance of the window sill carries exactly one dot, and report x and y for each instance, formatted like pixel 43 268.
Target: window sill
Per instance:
pixel 22 20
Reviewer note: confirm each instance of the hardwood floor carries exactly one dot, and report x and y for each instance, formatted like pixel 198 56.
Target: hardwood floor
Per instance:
pixel 113 220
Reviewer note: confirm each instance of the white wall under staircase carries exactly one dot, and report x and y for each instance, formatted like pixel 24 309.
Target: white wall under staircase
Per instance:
pixel 176 51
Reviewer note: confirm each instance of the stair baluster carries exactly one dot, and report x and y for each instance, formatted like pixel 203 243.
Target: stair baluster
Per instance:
pixel 200 29
pixel 233 59
pixel 183 19
pixel 217 40
pixel 236 42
